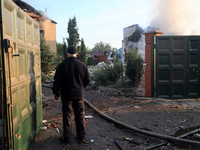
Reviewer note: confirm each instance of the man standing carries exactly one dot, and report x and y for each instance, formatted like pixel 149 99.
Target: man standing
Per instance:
pixel 71 77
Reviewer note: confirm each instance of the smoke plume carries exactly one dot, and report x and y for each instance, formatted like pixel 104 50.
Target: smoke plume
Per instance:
pixel 177 17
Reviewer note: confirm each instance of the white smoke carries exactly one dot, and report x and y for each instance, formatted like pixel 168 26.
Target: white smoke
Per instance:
pixel 177 17
pixel 141 46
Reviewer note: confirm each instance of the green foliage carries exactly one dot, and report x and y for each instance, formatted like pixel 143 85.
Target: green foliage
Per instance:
pixel 72 29
pixel 117 67
pixel 114 49
pixel 82 52
pixel 106 76
pixel 59 49
pixel 90 61
pixel 47 58
pixel 100 77
pixel 102 47
pixel 64 49
pixel 131 66
pixel 88 49
pixel 112 75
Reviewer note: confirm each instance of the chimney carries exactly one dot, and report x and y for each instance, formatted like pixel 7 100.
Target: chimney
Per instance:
pixel 148 77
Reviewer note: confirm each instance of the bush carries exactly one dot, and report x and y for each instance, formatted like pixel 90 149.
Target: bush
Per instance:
pixel 106 76
pixel 131 66
pixel 100 77
pixel 112 75
pixel 90 61
pixel 117 67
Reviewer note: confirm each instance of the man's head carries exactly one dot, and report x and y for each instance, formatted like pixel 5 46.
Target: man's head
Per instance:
pixel 72 51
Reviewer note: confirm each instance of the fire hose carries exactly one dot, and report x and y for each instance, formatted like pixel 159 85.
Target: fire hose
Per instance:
pixel 156 135
pixel 160 136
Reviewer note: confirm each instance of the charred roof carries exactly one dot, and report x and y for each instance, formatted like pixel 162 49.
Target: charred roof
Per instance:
pixel 28 8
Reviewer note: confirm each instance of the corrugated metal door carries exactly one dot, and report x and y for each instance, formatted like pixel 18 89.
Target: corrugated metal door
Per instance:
pixel 22 75
pixel 175 69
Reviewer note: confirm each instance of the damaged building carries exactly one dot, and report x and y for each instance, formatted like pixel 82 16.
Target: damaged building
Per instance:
pixel 47 26
pixel 132 35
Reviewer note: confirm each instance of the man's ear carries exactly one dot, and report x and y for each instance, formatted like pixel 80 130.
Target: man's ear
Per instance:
pixel 76 54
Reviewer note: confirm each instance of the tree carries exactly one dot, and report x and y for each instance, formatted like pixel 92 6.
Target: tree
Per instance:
pixel 102 47
pixel 131 66
pixel 59 47
pixel 72 29
pixel 47 58
pixel 105 76
pixel 82 52
pixel 117 66
pixel 64 49
pixel 90 61
pixel 88 49
pixel 108 75
pixel 114 49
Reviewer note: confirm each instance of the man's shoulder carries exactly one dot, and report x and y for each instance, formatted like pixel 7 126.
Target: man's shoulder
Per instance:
pixel 73 60
pixel 79 62
pixel 62 63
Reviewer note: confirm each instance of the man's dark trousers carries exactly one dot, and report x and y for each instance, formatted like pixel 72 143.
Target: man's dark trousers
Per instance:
pixel 79 113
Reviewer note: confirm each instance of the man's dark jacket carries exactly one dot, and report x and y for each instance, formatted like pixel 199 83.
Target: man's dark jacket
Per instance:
pixel 71 77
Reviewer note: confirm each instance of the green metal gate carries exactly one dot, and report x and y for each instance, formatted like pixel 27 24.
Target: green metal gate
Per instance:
pixel 21 76
pixel 176 66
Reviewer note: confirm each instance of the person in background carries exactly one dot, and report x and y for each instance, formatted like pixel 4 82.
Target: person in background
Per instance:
pixel 71 77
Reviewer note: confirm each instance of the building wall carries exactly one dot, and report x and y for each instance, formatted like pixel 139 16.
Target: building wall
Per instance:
pixel 45 23
pixel 49 33
pixel 103 58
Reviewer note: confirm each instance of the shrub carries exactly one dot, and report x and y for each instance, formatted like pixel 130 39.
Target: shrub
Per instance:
pixel 90 61
pixel 131 66
pixel 106 76
pixel 117 67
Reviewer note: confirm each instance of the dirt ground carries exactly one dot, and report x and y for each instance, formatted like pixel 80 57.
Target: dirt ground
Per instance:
pixel 167 117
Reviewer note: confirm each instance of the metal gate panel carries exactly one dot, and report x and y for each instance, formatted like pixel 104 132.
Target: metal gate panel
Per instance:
pixel 176 66
pixel 163 67
pixel 193 67
pixel 22 75
pixel 179 59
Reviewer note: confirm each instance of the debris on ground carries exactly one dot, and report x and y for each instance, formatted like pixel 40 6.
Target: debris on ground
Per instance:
pixel 43 128
pixel 57 130
pixel 160 116
pixel 44 104
pixel 89 117
pixel 120 145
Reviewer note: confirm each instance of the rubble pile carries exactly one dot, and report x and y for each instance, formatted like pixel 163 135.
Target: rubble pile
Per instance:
pixel 55 123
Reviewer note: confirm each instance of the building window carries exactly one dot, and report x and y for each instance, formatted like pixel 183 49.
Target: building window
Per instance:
pixel 41 33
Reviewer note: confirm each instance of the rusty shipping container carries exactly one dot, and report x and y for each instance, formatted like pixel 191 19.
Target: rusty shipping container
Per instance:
pixel 21 102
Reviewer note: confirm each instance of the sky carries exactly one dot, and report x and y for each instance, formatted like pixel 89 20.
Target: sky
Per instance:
pixel 97 20
pixel 104 20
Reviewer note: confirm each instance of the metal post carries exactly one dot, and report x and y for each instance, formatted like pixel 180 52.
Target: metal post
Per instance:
pixel 137 74
pixel 122 73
